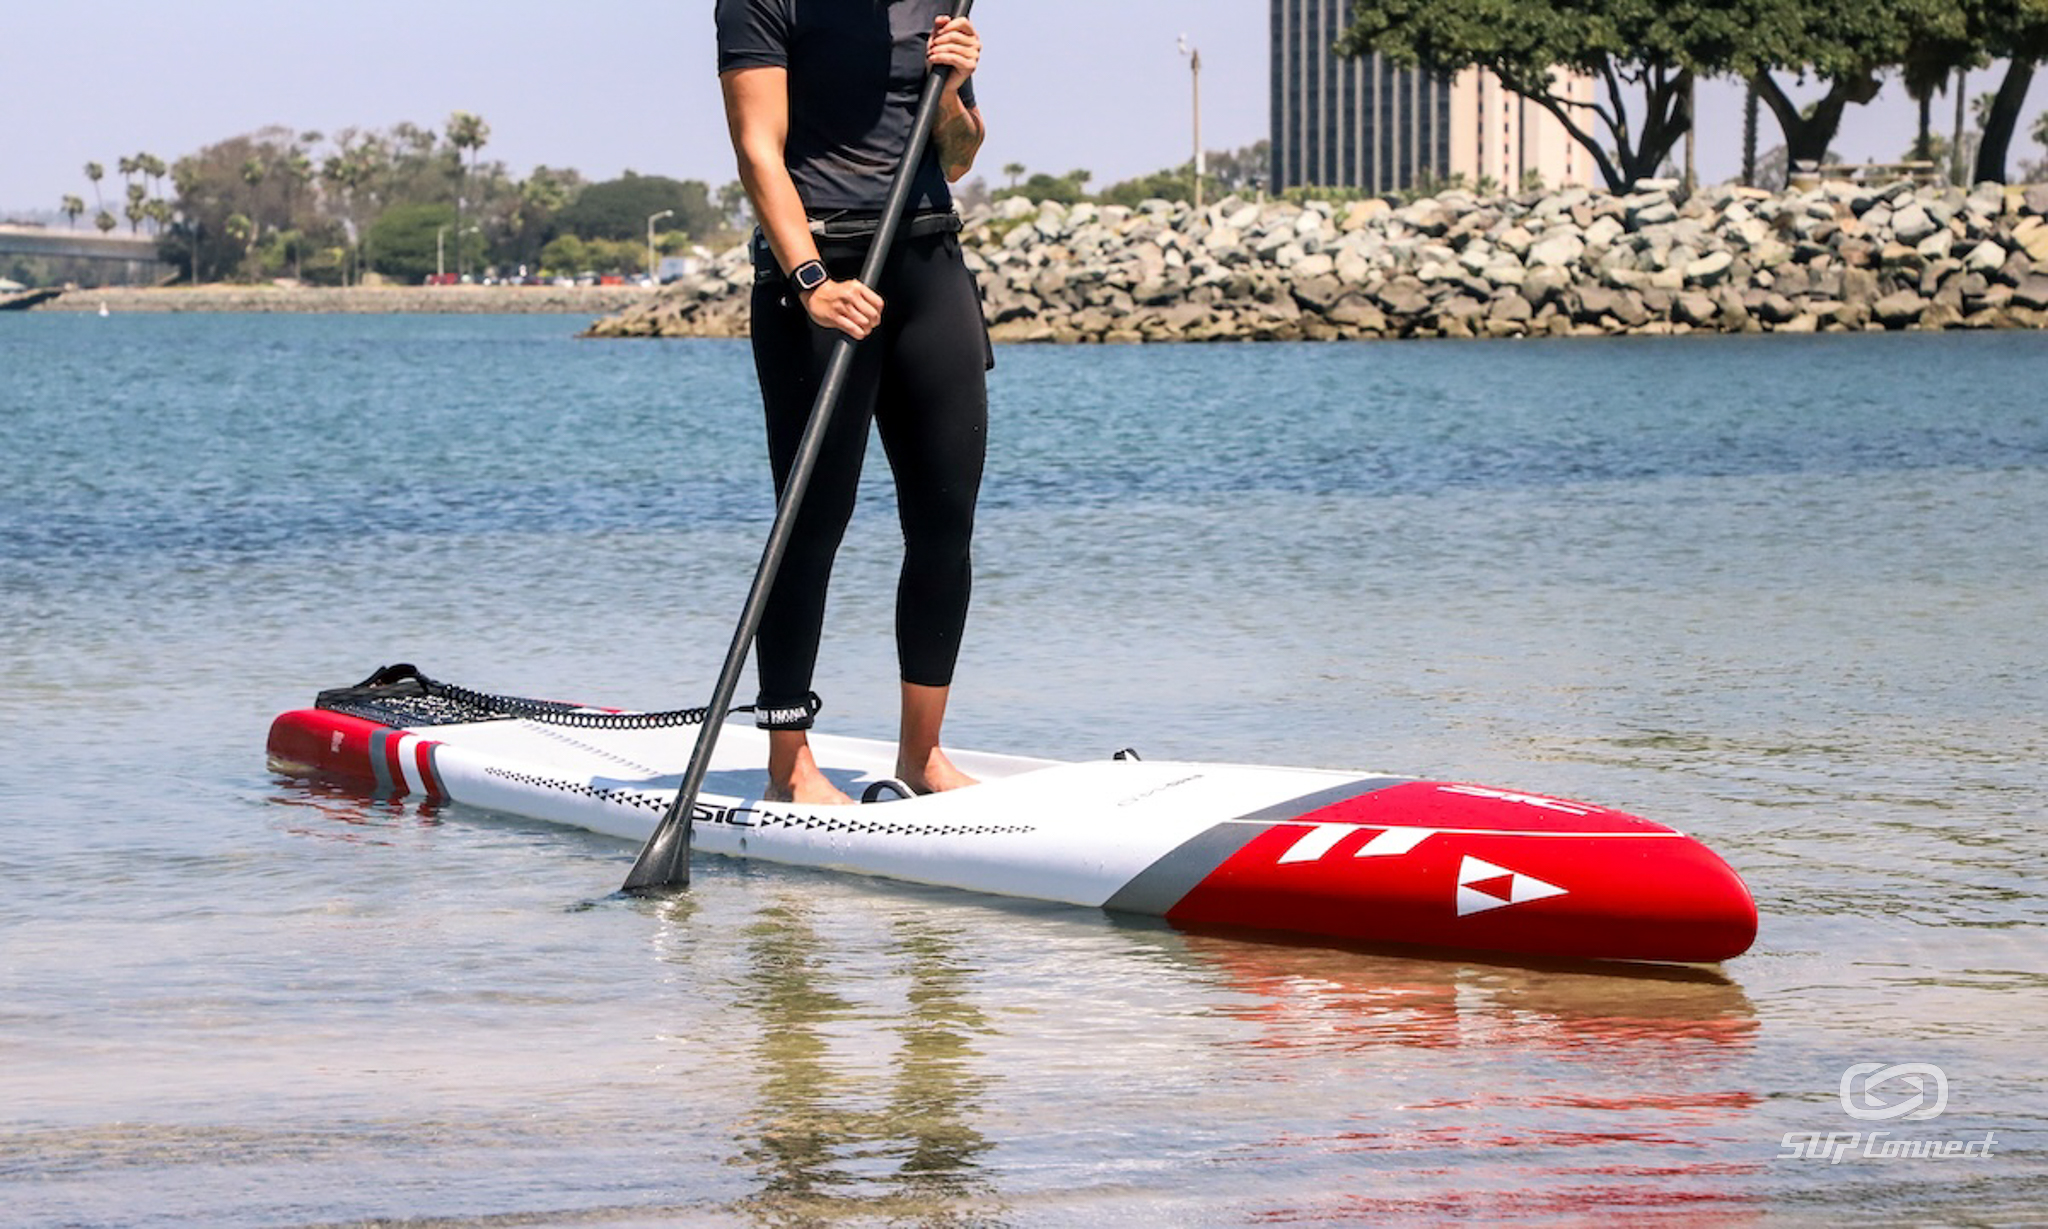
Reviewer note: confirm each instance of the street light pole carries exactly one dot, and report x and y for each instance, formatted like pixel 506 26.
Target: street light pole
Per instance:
pixel 1194 55
pixel 652 218
pixel 441 247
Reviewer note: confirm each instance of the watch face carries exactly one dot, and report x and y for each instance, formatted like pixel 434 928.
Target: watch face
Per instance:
pixel 809 275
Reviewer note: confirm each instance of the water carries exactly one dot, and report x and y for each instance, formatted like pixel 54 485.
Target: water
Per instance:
pixel 1784 593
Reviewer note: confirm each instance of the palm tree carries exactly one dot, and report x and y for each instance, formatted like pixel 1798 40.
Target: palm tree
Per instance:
pixel 1923 140
pixel 105 222
pixel 297 170
pixel 242 230
pixel 465 132
pixel 136 194
pixel 95 172
pixel 540 196
pixel 73 206
pixel 347 172
pixel 253 172
pixel 153 168
pixel 1925 72
pixel 1015 171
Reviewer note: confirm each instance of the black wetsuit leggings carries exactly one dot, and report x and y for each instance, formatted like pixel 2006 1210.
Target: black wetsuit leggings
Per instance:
pixel 920 378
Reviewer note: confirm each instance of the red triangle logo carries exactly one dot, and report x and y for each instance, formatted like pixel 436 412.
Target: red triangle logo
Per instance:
pixel 1500 887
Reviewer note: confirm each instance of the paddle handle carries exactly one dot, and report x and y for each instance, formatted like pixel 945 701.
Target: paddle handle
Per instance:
pixel 665 860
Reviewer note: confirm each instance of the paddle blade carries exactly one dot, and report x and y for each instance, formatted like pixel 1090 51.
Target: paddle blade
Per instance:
pixel 664 862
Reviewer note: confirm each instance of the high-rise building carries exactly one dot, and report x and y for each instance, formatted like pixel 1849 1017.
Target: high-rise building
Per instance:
pixel 1365 123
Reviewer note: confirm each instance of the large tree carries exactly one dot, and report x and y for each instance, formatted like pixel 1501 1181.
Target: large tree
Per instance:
pixel 411 241
pixel 619 208
pixel 2017 32
pixel 221 184
pixel 1642 55
pixel 1847 45
pixel 1242 170
pixel 529 221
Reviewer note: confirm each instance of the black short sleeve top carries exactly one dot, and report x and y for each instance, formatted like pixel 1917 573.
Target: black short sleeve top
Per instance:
pixel 856 69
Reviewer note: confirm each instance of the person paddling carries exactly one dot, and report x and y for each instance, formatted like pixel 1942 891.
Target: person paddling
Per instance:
pixel 819 98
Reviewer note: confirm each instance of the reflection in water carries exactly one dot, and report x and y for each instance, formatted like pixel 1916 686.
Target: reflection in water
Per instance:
pixel 825 1145
pixel 347 813
pixel 1307 997
pixel 935 1076
pixel 1387 1086
pixel 1578 1087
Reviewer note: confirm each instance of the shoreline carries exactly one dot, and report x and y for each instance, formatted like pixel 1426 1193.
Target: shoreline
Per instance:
pixel 1836 257
pixel 358 300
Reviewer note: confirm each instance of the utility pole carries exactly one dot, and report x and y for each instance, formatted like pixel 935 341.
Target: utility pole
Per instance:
pixel 1194 55
pixel 441 248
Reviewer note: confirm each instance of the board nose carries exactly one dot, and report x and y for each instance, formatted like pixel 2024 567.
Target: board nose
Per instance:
pixel 1666 898
pixel 1705 905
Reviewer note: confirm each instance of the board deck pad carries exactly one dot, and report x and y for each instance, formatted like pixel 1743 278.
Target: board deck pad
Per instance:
pixel 1359 857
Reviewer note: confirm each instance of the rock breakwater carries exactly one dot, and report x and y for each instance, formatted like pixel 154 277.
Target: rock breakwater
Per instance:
pixel 1837 257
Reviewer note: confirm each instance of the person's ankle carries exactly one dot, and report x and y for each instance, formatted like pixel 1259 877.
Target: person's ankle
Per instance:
pixel 933 773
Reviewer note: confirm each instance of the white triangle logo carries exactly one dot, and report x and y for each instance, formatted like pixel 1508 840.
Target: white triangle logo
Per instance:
pixel 1481 884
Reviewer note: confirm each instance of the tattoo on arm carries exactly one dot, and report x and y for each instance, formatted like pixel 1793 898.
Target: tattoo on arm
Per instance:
pixel 958 137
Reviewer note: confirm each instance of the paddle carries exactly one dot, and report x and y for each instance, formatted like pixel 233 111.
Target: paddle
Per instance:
pixel 665 860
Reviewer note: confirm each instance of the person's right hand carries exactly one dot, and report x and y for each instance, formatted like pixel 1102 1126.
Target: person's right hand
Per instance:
pixel 848 306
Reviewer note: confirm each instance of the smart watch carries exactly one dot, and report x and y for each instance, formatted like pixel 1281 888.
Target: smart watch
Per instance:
pixel 809 275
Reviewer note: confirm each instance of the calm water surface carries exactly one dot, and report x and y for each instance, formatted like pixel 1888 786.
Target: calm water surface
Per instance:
pixel 1785 593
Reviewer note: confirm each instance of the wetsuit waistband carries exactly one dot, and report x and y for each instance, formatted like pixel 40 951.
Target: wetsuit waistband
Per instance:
pixel 862 224
pixel 842 236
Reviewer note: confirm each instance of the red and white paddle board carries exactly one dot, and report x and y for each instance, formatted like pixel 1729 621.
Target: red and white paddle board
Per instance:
pixel 1362 857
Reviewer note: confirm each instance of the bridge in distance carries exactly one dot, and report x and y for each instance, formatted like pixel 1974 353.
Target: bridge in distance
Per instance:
pixel 138 252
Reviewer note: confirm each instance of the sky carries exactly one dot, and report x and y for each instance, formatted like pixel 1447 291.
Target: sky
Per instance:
pixel 604 86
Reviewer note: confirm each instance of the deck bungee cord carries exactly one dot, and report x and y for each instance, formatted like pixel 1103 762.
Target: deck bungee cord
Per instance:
pixel 400 695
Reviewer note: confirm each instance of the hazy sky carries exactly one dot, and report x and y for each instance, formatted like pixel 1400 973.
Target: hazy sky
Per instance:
pixel 607 85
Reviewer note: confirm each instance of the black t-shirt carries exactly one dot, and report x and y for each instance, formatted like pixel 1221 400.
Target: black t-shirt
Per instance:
pixel 856 69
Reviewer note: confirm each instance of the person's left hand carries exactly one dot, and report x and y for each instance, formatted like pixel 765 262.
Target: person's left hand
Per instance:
pixel 954 44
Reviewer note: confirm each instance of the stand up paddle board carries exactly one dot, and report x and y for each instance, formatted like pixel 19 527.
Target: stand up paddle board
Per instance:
pixel 1363 857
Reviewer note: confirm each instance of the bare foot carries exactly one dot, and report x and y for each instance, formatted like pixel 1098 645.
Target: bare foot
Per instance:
pixel 822 793
pixel 804 784
pixel 935 776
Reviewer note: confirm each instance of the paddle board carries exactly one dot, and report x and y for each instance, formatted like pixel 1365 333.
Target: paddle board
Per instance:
pixel 1356 856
